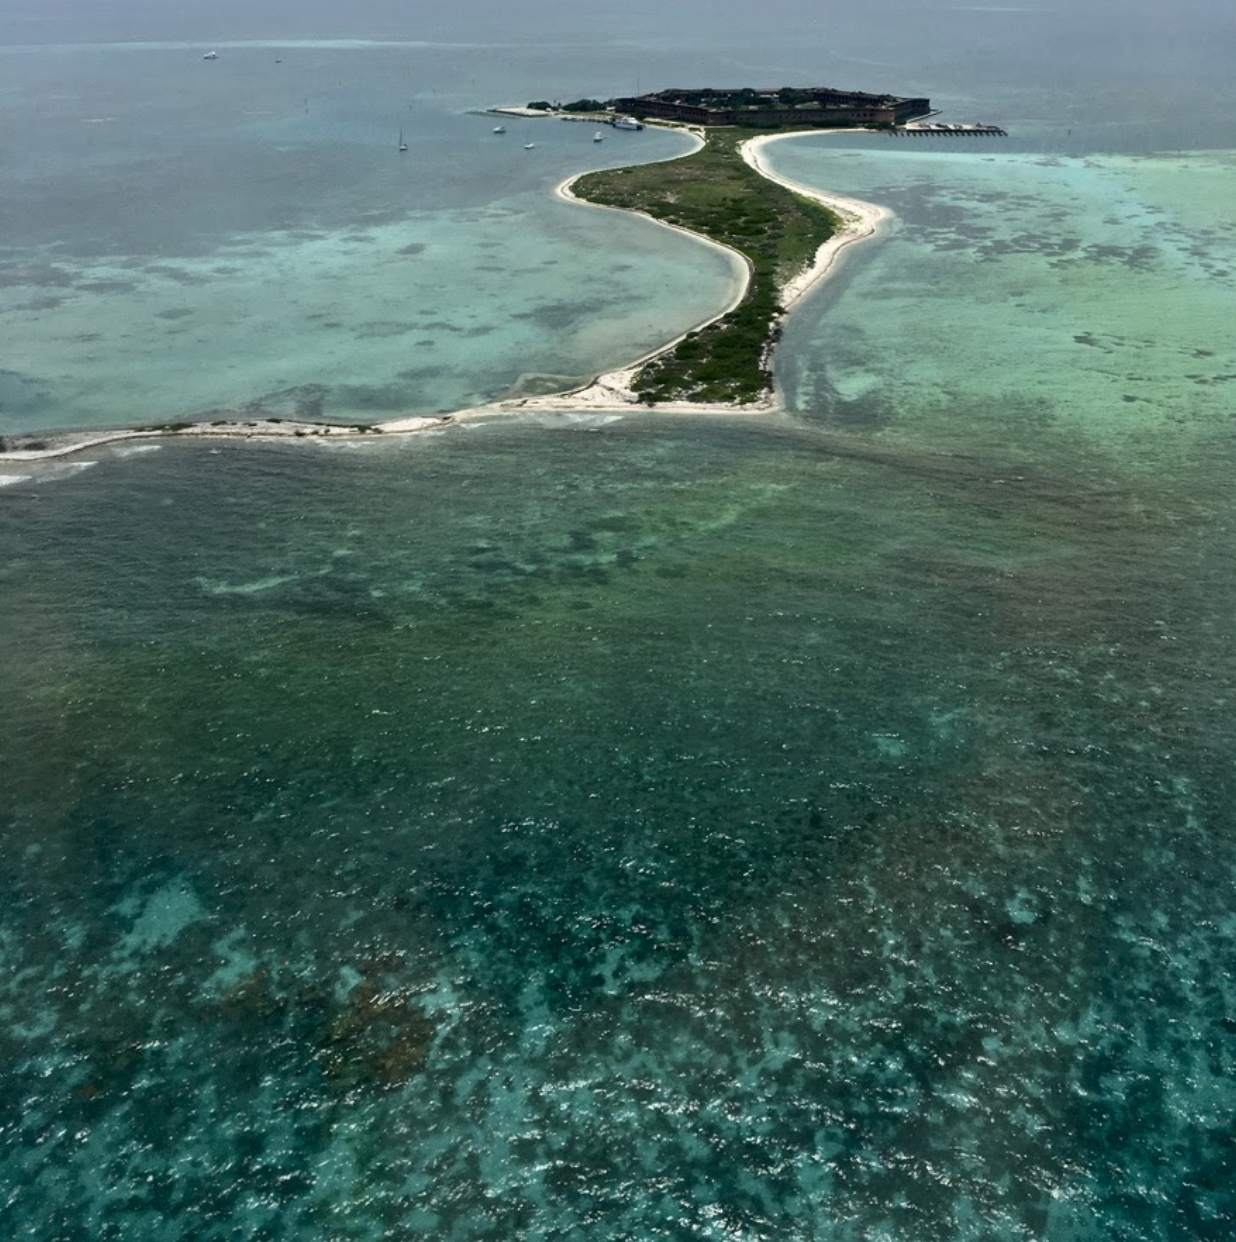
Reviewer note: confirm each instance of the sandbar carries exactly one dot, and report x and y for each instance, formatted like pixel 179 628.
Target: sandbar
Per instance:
pixel 859 220
pixel 613 390
pixel 610 391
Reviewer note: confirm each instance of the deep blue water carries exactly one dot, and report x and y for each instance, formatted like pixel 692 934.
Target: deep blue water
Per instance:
pixel 812 826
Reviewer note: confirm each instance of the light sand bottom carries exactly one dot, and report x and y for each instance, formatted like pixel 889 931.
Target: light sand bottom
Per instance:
pixel 611 391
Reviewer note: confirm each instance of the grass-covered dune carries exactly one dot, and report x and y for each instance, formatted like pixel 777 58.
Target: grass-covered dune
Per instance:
pixel 715 193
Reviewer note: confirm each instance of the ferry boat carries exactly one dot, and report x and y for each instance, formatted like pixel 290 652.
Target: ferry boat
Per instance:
pixel 627 122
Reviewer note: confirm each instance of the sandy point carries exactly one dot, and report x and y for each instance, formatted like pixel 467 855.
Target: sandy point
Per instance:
pixel 859 220
pixel 613 391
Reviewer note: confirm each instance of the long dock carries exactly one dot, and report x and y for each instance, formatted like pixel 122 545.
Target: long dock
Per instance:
pixel 935 130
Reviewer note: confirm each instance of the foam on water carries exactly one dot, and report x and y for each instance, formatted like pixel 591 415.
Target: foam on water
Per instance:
pixel 134 450
pixel 50 471
pixel 247 588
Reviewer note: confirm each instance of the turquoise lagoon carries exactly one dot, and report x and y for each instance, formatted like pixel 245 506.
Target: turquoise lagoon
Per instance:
pixel 1021 292
pixel 813 825
pixel 245 236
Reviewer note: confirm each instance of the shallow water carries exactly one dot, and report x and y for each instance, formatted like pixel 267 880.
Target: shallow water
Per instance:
pixel 1019 293
pixel 253 241
pixel 811 826
pixel 512 831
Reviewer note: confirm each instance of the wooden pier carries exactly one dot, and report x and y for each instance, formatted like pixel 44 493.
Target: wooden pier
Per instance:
pixel 933 130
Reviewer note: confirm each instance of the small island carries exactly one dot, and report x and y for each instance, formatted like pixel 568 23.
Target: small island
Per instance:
pixel 792 107
pixel 786 234
pixel 722 192
pixel 718 194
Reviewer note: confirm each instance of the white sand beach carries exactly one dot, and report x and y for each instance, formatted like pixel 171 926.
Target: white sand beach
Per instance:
pixel 613 390
pixel 610 391
pixel 859 220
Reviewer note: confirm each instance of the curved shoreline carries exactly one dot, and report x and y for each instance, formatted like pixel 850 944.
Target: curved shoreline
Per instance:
pixel 612 391
pixel 860 220
pixel 609 391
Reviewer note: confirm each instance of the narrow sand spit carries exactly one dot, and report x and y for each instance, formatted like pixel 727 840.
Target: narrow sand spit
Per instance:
pixel 859 220
pixel 65 443
pixel 611 391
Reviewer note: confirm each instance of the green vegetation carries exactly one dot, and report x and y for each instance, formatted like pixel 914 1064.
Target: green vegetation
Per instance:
pixel 576 105
pixel 713 192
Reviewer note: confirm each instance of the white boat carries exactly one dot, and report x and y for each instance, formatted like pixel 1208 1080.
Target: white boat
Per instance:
pixel 598 137
pixel 211 56
pixel 499 129
pixel 627 122
pixel 403 146
pixel 529 145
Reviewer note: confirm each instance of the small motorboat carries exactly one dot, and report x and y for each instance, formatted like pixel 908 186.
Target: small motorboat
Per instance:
pixel 499 129
pixel 529 145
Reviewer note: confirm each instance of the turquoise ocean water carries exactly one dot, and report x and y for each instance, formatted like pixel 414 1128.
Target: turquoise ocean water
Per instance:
pixel 808 826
